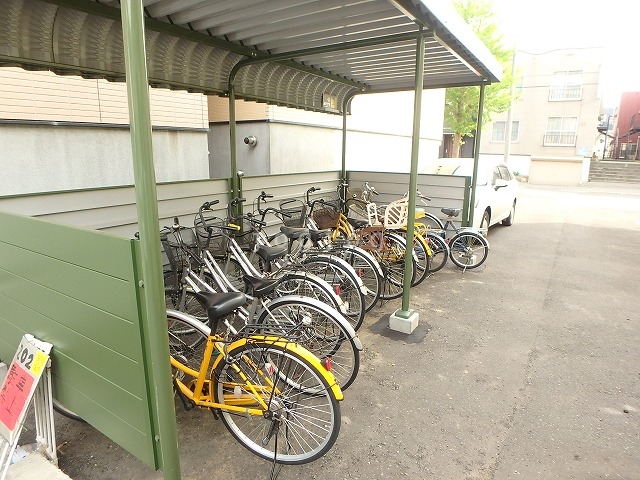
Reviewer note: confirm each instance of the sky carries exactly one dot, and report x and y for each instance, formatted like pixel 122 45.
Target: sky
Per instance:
pixel 541 25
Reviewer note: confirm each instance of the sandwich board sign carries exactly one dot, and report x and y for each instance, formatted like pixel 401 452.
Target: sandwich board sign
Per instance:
pixel 16 392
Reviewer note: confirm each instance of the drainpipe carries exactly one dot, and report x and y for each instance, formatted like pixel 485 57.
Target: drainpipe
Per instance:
pixel 158 370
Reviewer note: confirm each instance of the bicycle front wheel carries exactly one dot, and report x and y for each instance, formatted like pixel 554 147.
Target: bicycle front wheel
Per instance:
pixel 468 249
pixel 302 421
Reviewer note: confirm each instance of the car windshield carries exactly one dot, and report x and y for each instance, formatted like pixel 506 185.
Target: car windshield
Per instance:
pixel 466 170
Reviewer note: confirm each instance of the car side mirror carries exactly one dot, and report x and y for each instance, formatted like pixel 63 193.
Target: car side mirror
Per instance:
pixel 500 183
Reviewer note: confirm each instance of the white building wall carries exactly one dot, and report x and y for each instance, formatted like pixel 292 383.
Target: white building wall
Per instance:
pixel 533 108
pixel 65 132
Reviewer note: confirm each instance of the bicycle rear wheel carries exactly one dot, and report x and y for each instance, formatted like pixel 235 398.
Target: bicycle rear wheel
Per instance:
pixel 468 249
pixel 303 417
pixel 318 328
pixel 439 251
pixel 392 260
pixel 344 281
pixel 367 269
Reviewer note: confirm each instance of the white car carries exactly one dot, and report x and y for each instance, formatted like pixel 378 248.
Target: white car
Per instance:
pixel 496 188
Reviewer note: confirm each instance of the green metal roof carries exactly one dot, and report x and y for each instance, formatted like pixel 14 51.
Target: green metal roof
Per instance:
pixel 314 47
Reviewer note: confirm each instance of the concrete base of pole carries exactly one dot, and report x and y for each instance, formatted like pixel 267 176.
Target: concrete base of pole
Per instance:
pixel 404 321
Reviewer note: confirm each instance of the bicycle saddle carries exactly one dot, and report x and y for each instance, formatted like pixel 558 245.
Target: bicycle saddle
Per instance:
pixel 317 235
pixel 259 287
pixel 269 254
pixel 450 212
pixel 294 233
pixel 357 224
pixel 220 304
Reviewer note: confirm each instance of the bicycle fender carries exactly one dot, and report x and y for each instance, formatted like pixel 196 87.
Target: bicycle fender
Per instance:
pixel 291 346
pixel 363 288
pixel 363 251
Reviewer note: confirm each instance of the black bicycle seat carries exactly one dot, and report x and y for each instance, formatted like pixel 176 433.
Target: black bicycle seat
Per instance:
pixel 259 287
pixel 317 235
pixel 220 304
pixel 357 224
pixel 451 212
pixel 269 254
pixel 293 232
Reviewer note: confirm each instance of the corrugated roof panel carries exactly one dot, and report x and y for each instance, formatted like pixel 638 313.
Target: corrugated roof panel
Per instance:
pixel 336 47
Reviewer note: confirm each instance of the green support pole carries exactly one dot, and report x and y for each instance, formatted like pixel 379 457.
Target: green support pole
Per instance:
pixel 476 156
pixel 413 180
pixel 147 207
pixel 346 102
pixel 233 136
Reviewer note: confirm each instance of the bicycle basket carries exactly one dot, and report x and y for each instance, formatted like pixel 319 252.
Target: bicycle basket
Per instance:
pixel 326 213
pixel 214 240
pixel 246 236
pixel 174 250
pixel 295 213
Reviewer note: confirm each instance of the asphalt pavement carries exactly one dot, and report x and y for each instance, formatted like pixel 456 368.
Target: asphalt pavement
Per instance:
pixel 528 367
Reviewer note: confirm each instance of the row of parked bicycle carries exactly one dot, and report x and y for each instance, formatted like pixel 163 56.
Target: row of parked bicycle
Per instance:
pixel 263 328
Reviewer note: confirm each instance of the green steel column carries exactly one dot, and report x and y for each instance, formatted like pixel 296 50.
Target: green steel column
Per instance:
pixel 147 208
pixel 413 177
pixel 476 156
pixel 343 170
pixel 232 133
pixel 345 110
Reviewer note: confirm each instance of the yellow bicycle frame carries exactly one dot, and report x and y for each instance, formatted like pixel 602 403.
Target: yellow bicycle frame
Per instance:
pixel 203 397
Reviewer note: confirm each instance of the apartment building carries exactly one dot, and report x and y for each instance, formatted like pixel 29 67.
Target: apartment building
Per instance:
pixel 554 118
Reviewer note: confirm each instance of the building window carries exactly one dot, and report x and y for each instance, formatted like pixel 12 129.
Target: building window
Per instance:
pixel 499 131
pixel 561 132
pixel 566 86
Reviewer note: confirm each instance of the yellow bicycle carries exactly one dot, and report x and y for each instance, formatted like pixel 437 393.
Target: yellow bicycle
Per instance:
pixel 273 395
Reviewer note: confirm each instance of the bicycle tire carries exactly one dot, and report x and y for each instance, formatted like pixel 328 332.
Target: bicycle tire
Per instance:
pixel 423 255
pixel 303 419
pixel 468 250
pixel 187 338
pixel 343 280
pixel 439 251
pixel 65 412
pixel 320 329
pixel 392 260
pixel 366 267
pixel 306 284
pixel 431 221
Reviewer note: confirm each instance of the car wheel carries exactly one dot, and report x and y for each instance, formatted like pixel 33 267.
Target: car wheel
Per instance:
pixel 509 220
pixel 486 219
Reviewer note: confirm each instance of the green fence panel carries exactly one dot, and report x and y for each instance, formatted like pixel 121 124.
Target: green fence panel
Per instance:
pixel 78 290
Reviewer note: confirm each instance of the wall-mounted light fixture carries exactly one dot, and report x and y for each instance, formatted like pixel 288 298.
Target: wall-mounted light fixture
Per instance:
pixel 251 140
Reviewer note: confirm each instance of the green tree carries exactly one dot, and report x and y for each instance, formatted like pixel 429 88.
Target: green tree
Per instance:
pixel 461 103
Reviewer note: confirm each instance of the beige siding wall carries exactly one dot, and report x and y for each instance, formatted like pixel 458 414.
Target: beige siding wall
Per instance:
pixel 26 95
pixel 219 110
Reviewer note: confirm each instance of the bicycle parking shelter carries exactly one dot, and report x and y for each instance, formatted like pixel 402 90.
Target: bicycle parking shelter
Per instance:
pixel 314 55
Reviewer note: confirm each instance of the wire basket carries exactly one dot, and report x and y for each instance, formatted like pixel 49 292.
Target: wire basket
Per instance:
pixel 175 254
pixel 326 213
pixel 294 213
pixel 245 237
pixel 209 237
